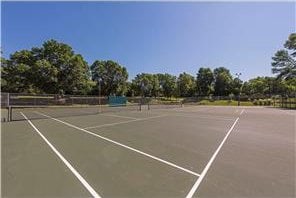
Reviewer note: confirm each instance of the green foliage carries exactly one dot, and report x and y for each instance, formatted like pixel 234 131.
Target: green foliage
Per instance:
pixel 52 68
pixel 3 63
pixel 45 75
pixel 284 63
pixel 236 86
pixel 205 79
pixel 168 84
pixel 186 85
pixel 56 68
pixel 291 43
pixel 112 75
pixel 262 102
pixel 223 81
pixel 146 85
pixel 224 103
pixel 267 86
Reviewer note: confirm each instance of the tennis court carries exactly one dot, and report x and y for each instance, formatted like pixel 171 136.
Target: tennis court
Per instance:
pixel 190 151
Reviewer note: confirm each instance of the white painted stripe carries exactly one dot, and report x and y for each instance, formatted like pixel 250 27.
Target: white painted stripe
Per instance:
pixel 187 110
pixel 118 116
pixel 205 170
pixel 242 112
pixel 123 122
pixel 73 170
pixel 124 146
pixel 204 117
pixel 289 113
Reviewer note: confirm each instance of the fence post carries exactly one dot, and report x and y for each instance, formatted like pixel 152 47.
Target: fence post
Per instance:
pixel 8 99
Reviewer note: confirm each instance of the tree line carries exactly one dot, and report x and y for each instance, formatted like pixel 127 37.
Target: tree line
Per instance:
pixel 55 68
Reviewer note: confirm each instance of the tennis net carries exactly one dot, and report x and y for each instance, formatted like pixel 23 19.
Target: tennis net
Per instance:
pixel 163 103
pixel 56 105
pixel 38 112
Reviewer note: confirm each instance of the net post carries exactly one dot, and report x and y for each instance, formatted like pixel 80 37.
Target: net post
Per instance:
pixel 8 99
pixel 9 116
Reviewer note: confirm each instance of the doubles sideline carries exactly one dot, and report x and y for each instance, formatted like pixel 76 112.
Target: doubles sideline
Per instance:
pixel 205 170
pixel 63 159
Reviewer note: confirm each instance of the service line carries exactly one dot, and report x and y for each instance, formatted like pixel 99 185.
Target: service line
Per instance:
pixel 122 145
pixel 119 116
pixel 123 122
pixel 204 117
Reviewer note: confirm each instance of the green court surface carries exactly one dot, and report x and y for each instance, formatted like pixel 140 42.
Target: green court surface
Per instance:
pixel 194 151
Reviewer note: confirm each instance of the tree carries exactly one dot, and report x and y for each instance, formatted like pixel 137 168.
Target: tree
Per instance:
pixel 143 84
pixel 146 85
pixel 256 86
pixel 236 86
pixel 16 72
pixel 290 87
pixel 223 81
pixel 186 85
pixel 291 44
pixel 113 77
pixel 3 63
pixel 205 78
pixel 73 72
pixel 284 64
pixel 129 90
pixel 45 76
pixel 52 68
pixel 263 86
pixel 167 84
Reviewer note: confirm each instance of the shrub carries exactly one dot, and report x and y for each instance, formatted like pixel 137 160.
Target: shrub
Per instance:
pixel 255 102
pixel 268 102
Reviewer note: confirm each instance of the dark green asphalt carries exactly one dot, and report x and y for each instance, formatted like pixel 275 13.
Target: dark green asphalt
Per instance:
pixel 31 169
pixel 257 160
pixel 114 171
pixel 188 142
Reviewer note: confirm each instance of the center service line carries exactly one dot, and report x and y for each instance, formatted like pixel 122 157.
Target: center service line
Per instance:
pixel 242 112
pixel 123 122
pixel 205 170
pixel 72 169
pixel 123 145
pixel 119 116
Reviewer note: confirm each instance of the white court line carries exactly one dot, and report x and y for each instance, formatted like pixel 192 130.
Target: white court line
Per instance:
pixel 242 112
pixel 123 122
pixel 289 113
pixel 205 170
pixel 72 169
pixel 122 145
pixel 118 116
pixel 196 109
pixel 204 117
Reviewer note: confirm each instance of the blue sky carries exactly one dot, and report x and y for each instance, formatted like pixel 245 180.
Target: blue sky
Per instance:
pixel 156 36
